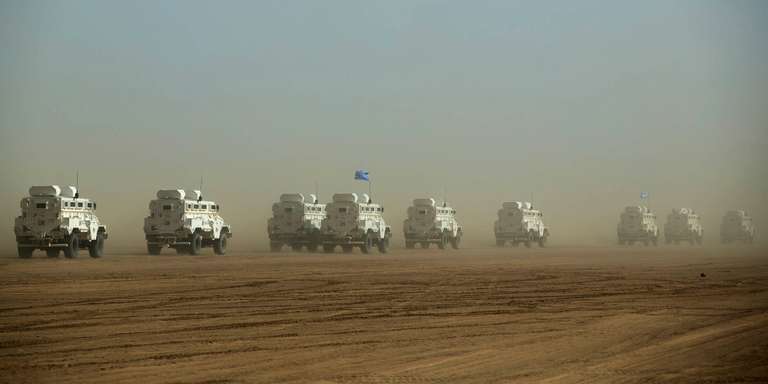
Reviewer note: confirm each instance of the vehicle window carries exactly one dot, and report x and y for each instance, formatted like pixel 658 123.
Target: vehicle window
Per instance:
pixel 167 207
pixel 205 207
pixel 90 205
pixel 342 210
pixel 189 206
pixel 288 210
pixel 197 206
pixel 94 205
pixel 422 211
pixel 42 205
pixel 79 205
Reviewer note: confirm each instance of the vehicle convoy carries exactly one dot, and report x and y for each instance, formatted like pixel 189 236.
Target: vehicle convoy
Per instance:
pixel 518 222
pixel 683 224
pixel 186 223
pixel 57 219
pixel 428 224
pixel 637 224
pixel 737 226
pixel 353 221
pixel 295 222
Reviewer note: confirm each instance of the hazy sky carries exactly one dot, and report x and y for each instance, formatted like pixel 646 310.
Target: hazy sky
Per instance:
pixel 581 105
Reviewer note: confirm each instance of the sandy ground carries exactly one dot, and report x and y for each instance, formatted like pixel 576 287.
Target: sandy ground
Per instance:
pixel 476 315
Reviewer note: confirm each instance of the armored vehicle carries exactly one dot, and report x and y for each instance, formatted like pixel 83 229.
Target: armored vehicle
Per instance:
pixel 295 222
pixel 518 222
pixel 352 221
pixel 428 223
pixel 186 223
pixel 637 223
pixel 56 219
pixel 683 224
pixel 737 226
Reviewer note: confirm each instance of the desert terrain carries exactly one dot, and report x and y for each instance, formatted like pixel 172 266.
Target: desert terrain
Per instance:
pixel 484 315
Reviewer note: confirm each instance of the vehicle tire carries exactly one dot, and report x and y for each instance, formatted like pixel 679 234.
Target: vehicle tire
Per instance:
pixel 527 243
pixel 195 244
pixel 410 245
pixel 424 245
pixel 346 248
pixel 182 250
pixel 384 245
pixel 455 241
pixel 154 249
pixel 220 245
pixel 646 242
pixel 367 243
pixel 515 244
pixel 312 247
pixel 655 242
pixel 25 253
pixel 500 243
pixel 296 247
pixel 275 247
pixel 73 246
pixel 96 247
pixel 328 248
pixel 52 253
pixel 542 241
pixel 631 242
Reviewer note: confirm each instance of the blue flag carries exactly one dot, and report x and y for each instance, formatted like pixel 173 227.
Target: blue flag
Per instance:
pixel 643 195
pixel 361 175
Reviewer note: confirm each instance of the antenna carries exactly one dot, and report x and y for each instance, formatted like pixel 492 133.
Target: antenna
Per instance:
pixel 77 184
pixel 200 198
pixel 317 193
pixel 445 196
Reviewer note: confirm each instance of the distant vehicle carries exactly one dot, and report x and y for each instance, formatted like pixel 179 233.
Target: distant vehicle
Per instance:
pixel 737 226
pixel 683 224
pixel 185 224
pixel 637 224
pixel 55 219
pixel 518 222
pixel 354 222
pixel 428 223
pixel 296 222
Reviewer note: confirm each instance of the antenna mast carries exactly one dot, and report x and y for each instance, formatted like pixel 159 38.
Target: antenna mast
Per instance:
pixel 201 189
pixel 77 184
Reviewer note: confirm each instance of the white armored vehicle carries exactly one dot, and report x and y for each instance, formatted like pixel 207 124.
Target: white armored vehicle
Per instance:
pixel 354 221
pixel 637 223
pixel 295 222
pixel 57 219
pixel 428 223
pixel 518 222
pixel 186 223
pixel 737 226
pixel 683 224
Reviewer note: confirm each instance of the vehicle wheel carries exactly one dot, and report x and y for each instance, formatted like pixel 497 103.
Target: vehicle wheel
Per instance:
pixel 424 245
pixel 328 248
pixel 73 246
pixel 196 244
pixel 154 249
pixel 25 253
pixel 96 247
pixel 312 247
pixel 645 242
pixel 500 243
pixel 542 241
pixel 515 244
pixel 631 242
pixel 455 241
pixel 527 243
pixel 52 253
pixel 220 245
pixel 346 248
pixel 296 247
pixel 275 247
pixel 367 243
pixel 182 250
pixel 384 245
pixel 655 242
pixel 410 245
